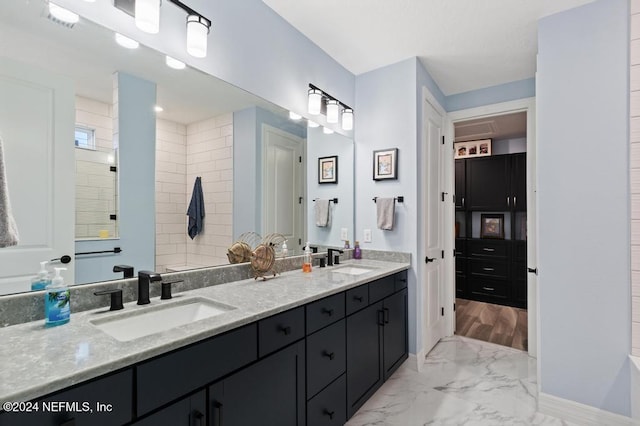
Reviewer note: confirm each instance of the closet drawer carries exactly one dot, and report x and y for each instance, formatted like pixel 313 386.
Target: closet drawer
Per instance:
pixel 491 288
pixel 357 298
pixel 489 268
pixel 487 248
pixel 280 330
pixel 326 357
pixel 324 312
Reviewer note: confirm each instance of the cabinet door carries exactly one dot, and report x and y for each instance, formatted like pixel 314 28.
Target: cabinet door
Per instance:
pixel 519 182
pixel 364 355
pixel 461 193
pixel 395 338
pixel 488 183
pixel 190 411
pixel 270 392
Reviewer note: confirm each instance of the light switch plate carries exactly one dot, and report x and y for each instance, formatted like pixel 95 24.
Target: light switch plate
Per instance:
pixel 344 234
pixel 367 235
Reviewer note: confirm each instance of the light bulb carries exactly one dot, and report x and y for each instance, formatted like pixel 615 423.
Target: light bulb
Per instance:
pixel 147 13
pixel 197 32
pixel 315 101
pixel 63 14
pixel 333 111
pixel 347 119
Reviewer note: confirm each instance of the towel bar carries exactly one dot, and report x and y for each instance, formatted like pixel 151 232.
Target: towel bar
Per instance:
pixel 399 199
pixel 331 200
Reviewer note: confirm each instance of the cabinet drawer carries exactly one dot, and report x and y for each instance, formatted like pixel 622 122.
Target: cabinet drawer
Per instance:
pixel 328 408
pixel 161 380
pixel 280 330
pixel 357 298
pixel 461 265
pixel 401 280
pixel 486 287
pixel 487 248
pixel 461 247
pixel 379 289
pixel 324 312
pixel 489 268
pixel 115 390
pixel 190 411
pixel 326 357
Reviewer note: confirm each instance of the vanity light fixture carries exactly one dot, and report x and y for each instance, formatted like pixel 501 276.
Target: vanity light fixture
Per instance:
pixel 320 102
pixel 126 42
pixel 327 131
pixel 147 15
pixel 197 32
pixel 63 14
pixel 312 124
pixel 294 116
pixel 174 63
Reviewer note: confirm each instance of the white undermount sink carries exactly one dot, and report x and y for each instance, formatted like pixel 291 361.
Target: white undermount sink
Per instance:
pixel 132 325
pixel 352 270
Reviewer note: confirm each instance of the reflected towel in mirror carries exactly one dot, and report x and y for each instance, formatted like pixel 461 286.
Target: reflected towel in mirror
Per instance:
pixel 196 210
pixel 386 210
pixel 322 213
pixel 8 228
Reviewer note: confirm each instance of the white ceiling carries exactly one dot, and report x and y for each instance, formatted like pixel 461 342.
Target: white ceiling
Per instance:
pixel 464 44
pixel 504 126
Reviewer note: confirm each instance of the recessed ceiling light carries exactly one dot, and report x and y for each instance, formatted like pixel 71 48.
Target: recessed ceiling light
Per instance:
pixel 63 14
pixel 294 116
pixel 312 124
pixel 126 42
pixel 158 108
pixel 327 131
pixel 174 63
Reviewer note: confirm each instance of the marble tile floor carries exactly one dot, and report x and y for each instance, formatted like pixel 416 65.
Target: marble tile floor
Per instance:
pixel 463 382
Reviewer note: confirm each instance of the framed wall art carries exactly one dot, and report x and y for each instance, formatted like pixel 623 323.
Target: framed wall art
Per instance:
pixel 492 226
pixel 470 149
pixel 385 164
pixel 328 169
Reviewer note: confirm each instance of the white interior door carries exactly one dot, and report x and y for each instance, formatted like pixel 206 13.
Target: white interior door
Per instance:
pixel 434 267
pixel 37 129
pixel 283 186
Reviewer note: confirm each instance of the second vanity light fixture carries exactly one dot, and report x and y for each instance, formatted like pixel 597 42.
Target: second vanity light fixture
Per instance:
pixel 320 101
pixel 147 17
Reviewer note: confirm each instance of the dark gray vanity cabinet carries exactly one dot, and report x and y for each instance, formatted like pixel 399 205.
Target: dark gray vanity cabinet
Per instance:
pixel 189 411
pixel 269 392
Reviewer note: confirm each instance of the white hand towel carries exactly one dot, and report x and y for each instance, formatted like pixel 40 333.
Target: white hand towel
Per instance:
pixel 322 213
pixel 8 228
pixel 385 208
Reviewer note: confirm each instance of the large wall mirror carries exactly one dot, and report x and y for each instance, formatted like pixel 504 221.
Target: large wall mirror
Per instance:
pixel 95 173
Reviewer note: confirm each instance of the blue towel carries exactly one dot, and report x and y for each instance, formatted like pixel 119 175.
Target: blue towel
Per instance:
pixel 196 210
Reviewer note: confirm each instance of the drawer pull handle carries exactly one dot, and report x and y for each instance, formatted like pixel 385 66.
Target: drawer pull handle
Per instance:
pixel 488 249
pixel 488 269
pixel 327 311
pixel 358 298
pixel 285 330
pixel 329 355
pixel 381 318
pixel 329 413
pixel 488 288
pixel 386 315
pixel 198 418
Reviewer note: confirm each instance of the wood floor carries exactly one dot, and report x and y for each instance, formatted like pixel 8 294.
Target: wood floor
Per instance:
pixel 503 325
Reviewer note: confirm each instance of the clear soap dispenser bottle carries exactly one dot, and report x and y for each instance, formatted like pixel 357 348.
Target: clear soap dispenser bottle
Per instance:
pixel 42 280
pixel 57 301
pixel 306 262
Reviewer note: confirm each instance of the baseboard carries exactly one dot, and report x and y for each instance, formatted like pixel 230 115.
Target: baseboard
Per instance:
pixel 581 414
pixel 416 362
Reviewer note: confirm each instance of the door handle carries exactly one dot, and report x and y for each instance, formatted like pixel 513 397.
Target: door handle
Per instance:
pixel 381 318
pixel 429 259
pixel 386 315
pixel 217 408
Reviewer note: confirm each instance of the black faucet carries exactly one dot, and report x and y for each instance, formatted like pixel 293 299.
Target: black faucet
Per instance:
pixel 330 258
pixel 144 279
pixel 128 270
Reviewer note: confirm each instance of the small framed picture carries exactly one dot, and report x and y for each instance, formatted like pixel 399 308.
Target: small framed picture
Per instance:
pixel 479 148
pixel 385 164
pixel 328 169
pixel 492 226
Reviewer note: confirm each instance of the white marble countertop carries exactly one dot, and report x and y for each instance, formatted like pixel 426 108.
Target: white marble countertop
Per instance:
pixel 35 361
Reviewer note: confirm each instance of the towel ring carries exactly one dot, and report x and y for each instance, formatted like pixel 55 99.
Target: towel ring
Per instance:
pixel 399 199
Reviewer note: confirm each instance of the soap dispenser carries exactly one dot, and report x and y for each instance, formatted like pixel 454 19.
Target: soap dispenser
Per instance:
pixel 306 262
pixel 57 301
pixel 285 250
pixel 42 280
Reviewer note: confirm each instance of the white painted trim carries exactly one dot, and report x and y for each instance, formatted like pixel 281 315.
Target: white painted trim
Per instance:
pixel 581 414
pixel 416 361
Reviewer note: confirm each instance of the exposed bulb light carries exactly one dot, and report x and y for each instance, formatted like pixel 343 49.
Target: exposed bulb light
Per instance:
pixel 63 14
pixel 126 42
pixel 197 32
pixel 327 131
pixel 333 111
pixel 312 124
pixel 315 101
pixel 294 116
pixel 147 13
pixel 158 108
pixel 174 63
pixel 347 119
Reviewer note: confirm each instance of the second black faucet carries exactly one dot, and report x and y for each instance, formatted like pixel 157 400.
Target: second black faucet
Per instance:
pixel 144 279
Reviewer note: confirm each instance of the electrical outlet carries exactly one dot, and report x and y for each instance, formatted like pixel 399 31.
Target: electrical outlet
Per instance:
pixel 366 234
pixel 344 234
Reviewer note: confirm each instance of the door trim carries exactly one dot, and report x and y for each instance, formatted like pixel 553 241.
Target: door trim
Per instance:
pixel 529 106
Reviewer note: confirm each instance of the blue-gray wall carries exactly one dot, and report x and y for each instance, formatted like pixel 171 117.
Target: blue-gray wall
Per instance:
pixel 583 202
pixel 520 89
pixel 136 191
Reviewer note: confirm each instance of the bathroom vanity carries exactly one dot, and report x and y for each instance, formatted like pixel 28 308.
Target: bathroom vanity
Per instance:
pixel 295 350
